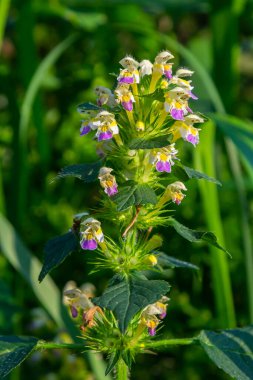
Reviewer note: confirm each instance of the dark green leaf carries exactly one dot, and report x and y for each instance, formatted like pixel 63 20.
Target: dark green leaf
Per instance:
pixel 13 351
pixel 195 236
pixel 129 296
pixel 145 143
pixel 85 172
pixel 128 358
pixel 56 251
pixel 144 194
pixel 169 261
pixel 113 360
pixel 82 108
pixel 231 350
pixel 125 198
pixel 185 173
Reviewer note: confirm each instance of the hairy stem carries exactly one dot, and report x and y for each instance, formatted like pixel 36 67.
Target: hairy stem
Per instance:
pixel 138 209
pixel 42 345
pixel 163 344
pixel 122 370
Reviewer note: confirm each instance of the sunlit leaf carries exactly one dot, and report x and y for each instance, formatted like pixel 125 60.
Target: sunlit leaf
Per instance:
pixel 125 198
pixel 184 173
pixel 145 143
pixel 136 194
pixel 144 194
pixel 195 236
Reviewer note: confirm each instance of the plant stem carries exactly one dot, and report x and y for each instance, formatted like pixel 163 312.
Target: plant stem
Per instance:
pixel 138 209
pixel 161 344
pixel 122 370
pixel 42 345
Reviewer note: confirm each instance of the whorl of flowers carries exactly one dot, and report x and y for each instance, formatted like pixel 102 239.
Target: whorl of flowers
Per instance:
pixel 137 127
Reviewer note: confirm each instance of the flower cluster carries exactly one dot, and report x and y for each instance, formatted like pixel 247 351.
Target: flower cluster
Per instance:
pixel 138 126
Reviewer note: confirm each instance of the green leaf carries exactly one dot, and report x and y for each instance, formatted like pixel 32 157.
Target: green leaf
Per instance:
pixel 195 236
pixel 125 198
pixel 82 108
pixel 113 360
pixel 184 173
pixel 145 143
pixel 13 351
pixel 136 194
pixel 144 194
pixel 129 296
pixel 230 350
pixel 56 251
pixel 169 261
pixel 85 172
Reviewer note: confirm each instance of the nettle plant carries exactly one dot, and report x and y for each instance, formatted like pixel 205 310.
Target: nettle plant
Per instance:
pixel 142 179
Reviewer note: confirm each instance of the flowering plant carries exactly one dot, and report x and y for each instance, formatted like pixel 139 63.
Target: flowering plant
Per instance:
pixel 138 127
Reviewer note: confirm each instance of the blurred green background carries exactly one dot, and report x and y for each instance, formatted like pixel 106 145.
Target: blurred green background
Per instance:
pixel 54 52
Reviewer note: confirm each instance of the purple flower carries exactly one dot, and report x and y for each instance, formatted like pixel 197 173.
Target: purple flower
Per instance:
pixel 168 74
pixel 151 331
pixel 106 135
pixel 112 190
pixel 74 311
pixel 177 114
pixel 163 166
pixel 194 97
pixel 85 128
pixel 128 105
pixel 126 80
pixel 89 244
pixel 194 140
pixel 163 315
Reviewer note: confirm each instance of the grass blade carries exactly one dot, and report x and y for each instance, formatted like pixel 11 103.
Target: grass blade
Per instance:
pixel 4 9
pixel 25 116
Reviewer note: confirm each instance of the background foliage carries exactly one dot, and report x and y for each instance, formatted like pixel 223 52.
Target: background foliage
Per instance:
pixel 53 54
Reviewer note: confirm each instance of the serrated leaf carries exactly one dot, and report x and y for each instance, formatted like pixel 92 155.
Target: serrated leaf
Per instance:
pixel 195 236
pixel 56 251
pixel 129 296
pixel 82 108
pixel 185 173
pixel 125 198
pixel 172 262
pixel 13 351
pixel 136 194
pixel 144 194
pixel 84 172
pixel 145 143
pixel 230 350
